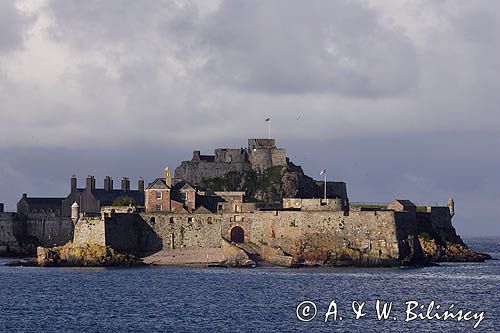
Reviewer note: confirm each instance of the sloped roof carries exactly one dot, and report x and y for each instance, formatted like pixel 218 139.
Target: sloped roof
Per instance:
pixel 183 185
pixel 44 201
pixel 158 183
pixel 108 197
pixel 405 203
pixel 202 210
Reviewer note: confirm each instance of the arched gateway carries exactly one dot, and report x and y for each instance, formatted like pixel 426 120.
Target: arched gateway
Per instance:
pixel 237 235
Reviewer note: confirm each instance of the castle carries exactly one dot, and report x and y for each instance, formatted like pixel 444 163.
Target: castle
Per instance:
pixel 178 214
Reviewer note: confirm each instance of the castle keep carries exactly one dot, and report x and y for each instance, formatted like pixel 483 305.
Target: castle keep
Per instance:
pixel 260 155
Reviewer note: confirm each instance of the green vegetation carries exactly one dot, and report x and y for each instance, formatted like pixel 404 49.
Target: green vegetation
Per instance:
pixel 421 209
pixel 368 206
pixel 425 236
pixel 124 201
pixel 229 182
pixel 266 185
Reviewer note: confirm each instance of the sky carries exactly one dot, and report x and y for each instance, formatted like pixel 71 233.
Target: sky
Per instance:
pixel 399 99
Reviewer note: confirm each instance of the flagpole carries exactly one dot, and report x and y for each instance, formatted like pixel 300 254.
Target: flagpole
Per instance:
pixel 269 128
pixel 325 186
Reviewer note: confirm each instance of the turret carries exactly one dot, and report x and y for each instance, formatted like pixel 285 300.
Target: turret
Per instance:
pixel 451 206
pixel 75 212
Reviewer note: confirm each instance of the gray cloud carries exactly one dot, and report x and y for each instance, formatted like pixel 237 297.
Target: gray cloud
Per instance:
pixel 289 47
pixel 12 24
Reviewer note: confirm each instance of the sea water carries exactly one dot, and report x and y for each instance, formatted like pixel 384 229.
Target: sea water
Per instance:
pixel 165 299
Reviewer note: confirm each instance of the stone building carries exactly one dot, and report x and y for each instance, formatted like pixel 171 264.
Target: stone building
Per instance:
pixel 31 205
pixel 163 196
pixel 260 155
pixel 402 205
pixel 91 199
pixel 178 196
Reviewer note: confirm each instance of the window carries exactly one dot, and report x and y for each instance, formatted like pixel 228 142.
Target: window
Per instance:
pixel 183 196
pixel 190 219
pixel 159 195
pixel 171 220
pixel 209 220
pixel 158 208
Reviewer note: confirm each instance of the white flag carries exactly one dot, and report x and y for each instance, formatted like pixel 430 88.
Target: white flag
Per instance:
pixel 322 172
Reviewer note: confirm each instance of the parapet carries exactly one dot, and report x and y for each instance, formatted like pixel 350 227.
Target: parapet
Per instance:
pixel 261 143
pixel 335 204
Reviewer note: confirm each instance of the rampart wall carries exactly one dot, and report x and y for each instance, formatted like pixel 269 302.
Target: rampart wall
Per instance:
pixel 49 229
pixel 196 171
pixel 316 237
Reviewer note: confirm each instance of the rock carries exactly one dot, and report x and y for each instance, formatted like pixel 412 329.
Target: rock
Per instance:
pixel 451 252
pixel 84 255
pixel 277 257
pixel 235 257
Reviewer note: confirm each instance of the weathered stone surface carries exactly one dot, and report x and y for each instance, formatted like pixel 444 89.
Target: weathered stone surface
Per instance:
pixel 277 257
pixel 450 252
pixel 234 256
pixel 82 255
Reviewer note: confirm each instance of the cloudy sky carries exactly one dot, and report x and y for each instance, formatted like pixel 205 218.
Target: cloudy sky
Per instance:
pixel 396 98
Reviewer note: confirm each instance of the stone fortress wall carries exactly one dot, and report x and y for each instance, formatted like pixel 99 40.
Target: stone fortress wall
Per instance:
pixel 362 237
pixel 19 234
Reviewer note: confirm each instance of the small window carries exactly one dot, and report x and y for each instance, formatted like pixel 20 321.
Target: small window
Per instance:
pixel 152 220
pixel 171 220
pixel 49 210
pixel 209 220
pixel 190 219
pixel 159 208
pixel 159 195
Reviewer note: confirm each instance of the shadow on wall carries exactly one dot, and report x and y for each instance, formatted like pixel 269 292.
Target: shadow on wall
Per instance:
pixel 131 233
pixel 148 240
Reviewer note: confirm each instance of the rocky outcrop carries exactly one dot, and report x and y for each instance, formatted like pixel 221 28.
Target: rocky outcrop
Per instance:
pixel 273 184
pixel 234 256
pixel 277 257
pixel 436 251
pixel 84 255
pixel 440 241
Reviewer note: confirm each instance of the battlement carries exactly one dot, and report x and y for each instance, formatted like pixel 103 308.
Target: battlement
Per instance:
pixel 261 143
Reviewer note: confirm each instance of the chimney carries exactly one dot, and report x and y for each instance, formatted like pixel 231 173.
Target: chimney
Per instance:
pixel 168 177
pixel 140 184
pixel 1 208
pixel 108 183
pixel 90 183
pixel 125 184
pixel 74 183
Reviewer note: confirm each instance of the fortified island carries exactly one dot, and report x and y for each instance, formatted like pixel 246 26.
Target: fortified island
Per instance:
pixel 238 207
